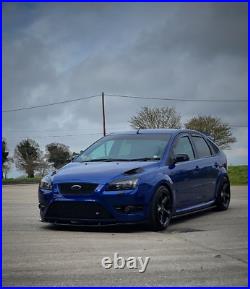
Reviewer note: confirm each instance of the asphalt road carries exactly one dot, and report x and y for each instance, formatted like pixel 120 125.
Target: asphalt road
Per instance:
pixel 208 249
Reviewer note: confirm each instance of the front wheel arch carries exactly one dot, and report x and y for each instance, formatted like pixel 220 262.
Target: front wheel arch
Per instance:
pixel 162 191
pixel 168 186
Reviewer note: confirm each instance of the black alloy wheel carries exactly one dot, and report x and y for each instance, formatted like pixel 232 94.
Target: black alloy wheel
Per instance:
pixel 161 209
pixel 223 198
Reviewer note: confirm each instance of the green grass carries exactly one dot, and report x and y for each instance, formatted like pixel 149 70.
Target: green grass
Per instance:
pixel 21 180
pixel 238 175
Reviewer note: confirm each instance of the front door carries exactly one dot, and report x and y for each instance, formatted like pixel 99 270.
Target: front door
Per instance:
pixel 183 174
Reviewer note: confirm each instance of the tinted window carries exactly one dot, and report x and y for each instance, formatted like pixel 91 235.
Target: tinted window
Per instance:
pixel 127 147
pixel 102 151
pixel 214 147
pixel 202 147
pixel 183 146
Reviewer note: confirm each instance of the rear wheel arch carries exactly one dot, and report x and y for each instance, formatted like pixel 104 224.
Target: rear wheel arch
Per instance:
pixel 223 195
pixel 223 178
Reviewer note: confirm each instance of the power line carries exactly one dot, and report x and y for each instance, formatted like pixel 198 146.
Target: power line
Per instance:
pixel 48 136
pixel 50 104
pixel 66 135
pixel 46 130
pixel 237 126
pixel 97 133
pixel 85 129
pixel 125 96
pixel 177 99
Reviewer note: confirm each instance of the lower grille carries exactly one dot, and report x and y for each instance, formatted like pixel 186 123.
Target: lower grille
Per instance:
pixel 77 188
pixel 77 210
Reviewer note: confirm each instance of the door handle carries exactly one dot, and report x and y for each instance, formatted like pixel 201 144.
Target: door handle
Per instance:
pixel 216 164
pixel 197 168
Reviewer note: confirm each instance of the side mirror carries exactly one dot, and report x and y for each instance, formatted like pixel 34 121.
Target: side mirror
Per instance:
pixel 181 158
pixel 74 157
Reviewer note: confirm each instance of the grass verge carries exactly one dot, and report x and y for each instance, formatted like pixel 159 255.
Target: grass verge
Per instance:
pixel 21 180
pixel 237 174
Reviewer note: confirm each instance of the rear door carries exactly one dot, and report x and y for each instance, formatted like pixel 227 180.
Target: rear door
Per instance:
pixel 183 173
pixel 207 169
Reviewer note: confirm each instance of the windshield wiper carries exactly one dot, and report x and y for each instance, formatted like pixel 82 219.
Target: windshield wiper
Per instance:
pixel 106 160
pixel 144 159
pixel 122 160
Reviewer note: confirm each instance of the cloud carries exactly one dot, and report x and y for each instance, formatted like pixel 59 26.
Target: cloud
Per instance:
pixel 58 51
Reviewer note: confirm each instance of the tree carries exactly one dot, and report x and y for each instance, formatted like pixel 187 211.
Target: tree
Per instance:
pixel 27 156
pixel 214 127
pixel 58 154
pixel 5 154
pixel 43 167
pixel 163 117
pixel 6 167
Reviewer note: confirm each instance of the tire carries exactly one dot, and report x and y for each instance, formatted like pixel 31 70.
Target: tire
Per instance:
pixel 223 197
pixel 160 209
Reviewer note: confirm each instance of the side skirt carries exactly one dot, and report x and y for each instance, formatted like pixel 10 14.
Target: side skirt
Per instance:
pixel 194 209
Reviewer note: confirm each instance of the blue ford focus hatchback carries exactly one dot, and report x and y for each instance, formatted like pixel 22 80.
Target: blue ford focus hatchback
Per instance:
pixel 145 176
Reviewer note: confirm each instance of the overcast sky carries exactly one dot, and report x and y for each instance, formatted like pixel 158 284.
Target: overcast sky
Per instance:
pixel 59 51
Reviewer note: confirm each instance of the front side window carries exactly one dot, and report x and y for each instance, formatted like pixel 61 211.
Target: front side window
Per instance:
pixel 202 147
pixel 126 148
pixel 183 146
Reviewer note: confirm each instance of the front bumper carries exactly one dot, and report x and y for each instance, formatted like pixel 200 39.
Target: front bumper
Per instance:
pixel 98 208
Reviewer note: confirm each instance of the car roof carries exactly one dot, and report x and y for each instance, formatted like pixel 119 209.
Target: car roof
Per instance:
pixel 171 131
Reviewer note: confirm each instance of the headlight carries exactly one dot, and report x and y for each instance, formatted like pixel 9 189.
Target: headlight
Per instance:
pixel 120 185
pixel 46 183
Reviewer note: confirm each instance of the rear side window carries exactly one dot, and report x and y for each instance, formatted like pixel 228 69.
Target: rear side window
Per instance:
pixel 214 147
pixel 183 146
pixel 202 147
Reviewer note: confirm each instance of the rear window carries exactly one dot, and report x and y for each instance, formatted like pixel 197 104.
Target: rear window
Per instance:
pixel 214 147
pixel 202 147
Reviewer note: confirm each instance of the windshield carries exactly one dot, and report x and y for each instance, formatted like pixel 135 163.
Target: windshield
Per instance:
pixel 136 147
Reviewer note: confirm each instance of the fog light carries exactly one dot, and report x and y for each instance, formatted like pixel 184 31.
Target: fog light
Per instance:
pixel 42 207
pixel 129 209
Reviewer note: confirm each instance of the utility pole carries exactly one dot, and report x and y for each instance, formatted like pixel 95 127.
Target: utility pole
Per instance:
pixel 103 115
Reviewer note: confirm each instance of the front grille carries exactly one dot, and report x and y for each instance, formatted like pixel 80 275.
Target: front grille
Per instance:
pixel 77 188
pixel 77 210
